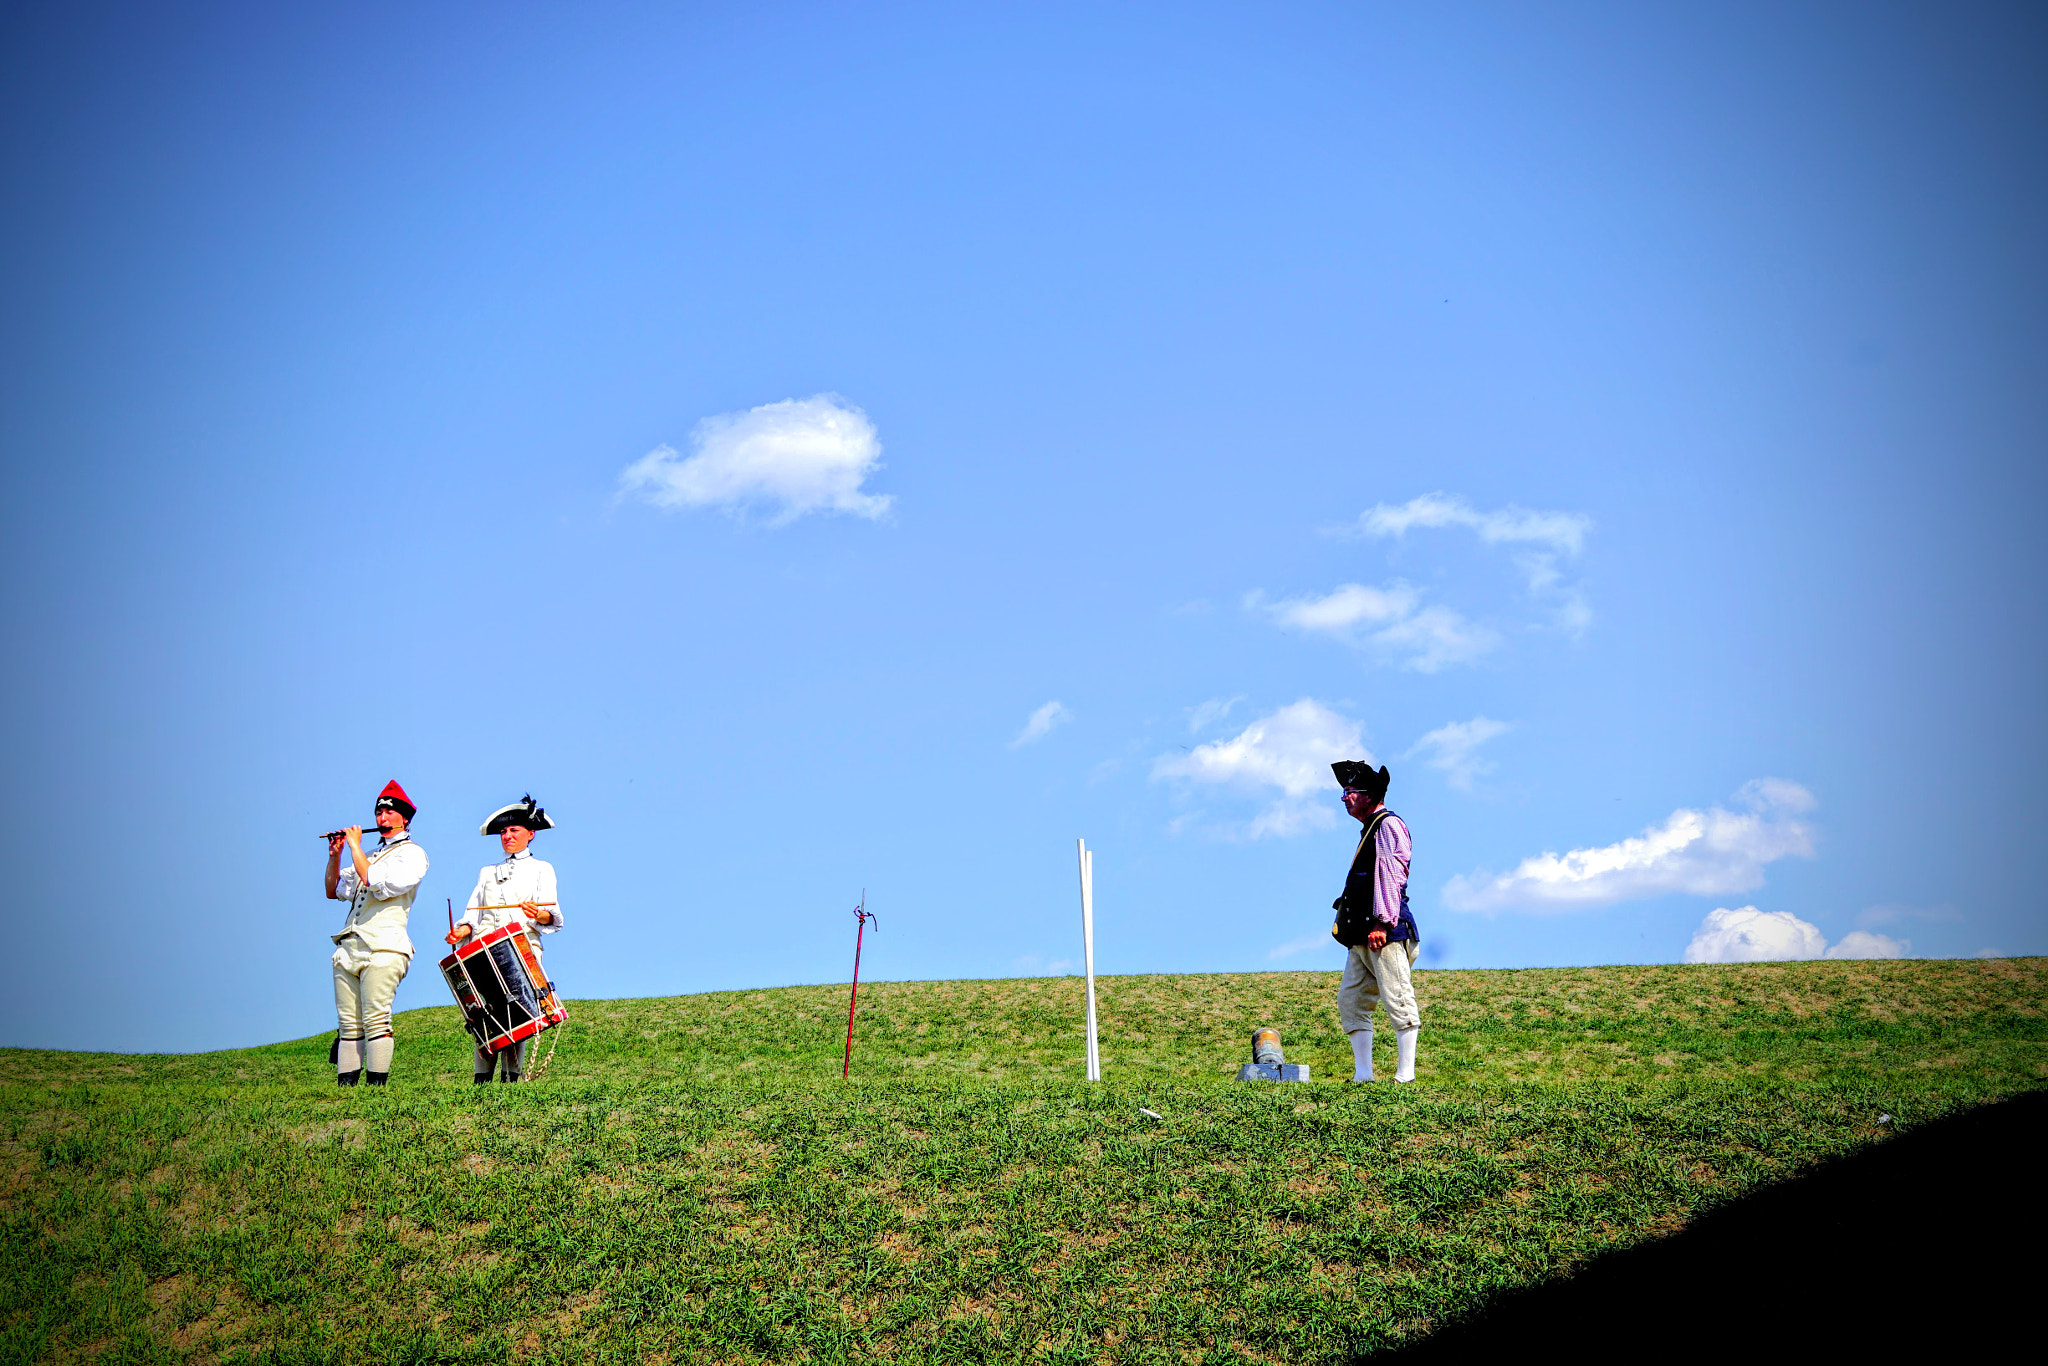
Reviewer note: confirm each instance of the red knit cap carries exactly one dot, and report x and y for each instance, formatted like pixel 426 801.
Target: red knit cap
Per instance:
pixel 394 797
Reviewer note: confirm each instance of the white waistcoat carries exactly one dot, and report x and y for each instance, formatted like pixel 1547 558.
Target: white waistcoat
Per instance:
pixel 377 910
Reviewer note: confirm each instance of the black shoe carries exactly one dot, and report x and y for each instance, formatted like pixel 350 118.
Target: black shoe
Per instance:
pixel 376 1078
pixel 347 1078
pixel 509 1076
pixel 482 1079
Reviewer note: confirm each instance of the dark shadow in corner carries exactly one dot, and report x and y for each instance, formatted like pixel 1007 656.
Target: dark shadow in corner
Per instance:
pixel 1932 1238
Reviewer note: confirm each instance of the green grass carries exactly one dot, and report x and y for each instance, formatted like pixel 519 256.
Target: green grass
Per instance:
pixel 692 1182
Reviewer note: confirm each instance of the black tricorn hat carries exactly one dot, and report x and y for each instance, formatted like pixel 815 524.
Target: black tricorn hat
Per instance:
pixel 1362 777
pixel 522 812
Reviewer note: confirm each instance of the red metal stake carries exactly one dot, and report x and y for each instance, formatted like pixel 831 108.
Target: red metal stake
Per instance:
pixel 865 916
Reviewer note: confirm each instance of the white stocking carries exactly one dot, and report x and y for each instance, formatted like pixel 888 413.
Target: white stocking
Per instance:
pixel 348 1057
pixel 377 1054
pixel 1361 1053
pixel 1404 1041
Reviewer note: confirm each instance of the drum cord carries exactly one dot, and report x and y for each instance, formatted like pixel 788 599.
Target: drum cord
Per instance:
pixel 539 1070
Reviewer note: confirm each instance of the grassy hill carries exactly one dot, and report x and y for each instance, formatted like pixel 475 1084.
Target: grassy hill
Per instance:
pixel 691 1181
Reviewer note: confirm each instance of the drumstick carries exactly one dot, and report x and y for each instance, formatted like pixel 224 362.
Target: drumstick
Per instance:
pixel 510 906
pixel 451 915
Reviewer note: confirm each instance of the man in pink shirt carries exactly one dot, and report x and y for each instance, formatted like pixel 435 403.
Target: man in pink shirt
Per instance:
pixel 1374 924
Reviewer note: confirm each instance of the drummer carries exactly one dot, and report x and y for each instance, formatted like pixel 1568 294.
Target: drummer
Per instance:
pixel 520 888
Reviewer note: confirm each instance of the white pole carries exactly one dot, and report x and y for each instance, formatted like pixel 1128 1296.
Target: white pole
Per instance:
pixel 1088 953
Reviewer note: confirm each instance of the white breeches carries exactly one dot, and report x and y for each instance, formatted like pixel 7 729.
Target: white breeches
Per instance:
pixel 365 983
pixel 1376 979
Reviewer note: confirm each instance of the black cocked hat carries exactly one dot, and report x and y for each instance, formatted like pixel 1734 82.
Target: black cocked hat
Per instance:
pixel 1356 776
pixel 524 812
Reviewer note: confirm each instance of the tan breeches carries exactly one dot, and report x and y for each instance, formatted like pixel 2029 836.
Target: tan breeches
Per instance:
pixel 1378 979
pixel 364 986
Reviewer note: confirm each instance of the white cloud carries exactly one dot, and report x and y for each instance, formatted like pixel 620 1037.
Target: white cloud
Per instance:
pixel 1748 935
pixel 1351 606
pixel 1563 532
pixel 1291 750
pixel 1207 714
pixel 798 456
pixel 1453 750
pixel 1551 534
pixel 1705 853
pixel 1390 621
pixel 1307 943
pixel 1041 723
pixel 1895 913
pixel 1864 944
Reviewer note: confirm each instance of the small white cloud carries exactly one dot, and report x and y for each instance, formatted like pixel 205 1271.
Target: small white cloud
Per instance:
pixel 1435 638
pixel 1765 794
pixel 1550 533
pixel 1306 944
pixel 1896 913
pixel 1041 723
pixel 1290 750
pixel 1864 944
pixel 794 457
pixel 1564 532
pixel 1574 615
pixel 1352 605
pixel 1391 621
pixel 1208 713
pixel 1989 953
pixel 1705 853
pixel 1453 750
pixel 1567 602
pixel 1748 935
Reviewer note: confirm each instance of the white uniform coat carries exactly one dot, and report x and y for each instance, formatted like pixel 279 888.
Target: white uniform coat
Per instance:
pixel 520 877
pixel 378 909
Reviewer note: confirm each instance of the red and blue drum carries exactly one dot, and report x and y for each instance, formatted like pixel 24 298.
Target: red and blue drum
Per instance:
pixel 498 982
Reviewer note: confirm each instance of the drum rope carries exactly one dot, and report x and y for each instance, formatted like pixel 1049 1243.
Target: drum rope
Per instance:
pixel 540 1069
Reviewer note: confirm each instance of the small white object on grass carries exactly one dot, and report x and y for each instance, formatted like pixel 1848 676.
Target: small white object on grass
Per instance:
pixel 1884 1119
pixel 1150 1114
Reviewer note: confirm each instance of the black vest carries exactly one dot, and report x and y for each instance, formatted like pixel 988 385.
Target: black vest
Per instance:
pixel 1354 908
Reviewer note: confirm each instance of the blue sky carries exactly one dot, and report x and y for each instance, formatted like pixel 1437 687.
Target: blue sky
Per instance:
pixel 735 424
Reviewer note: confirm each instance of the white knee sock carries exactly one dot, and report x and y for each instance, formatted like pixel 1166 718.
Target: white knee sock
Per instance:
pixel 348 1056
pixel 1404 1043
pixel 377 1054
pixel 1361 1053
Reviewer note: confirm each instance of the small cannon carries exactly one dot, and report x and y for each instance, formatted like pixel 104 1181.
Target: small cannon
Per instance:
pixel 1268 1062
